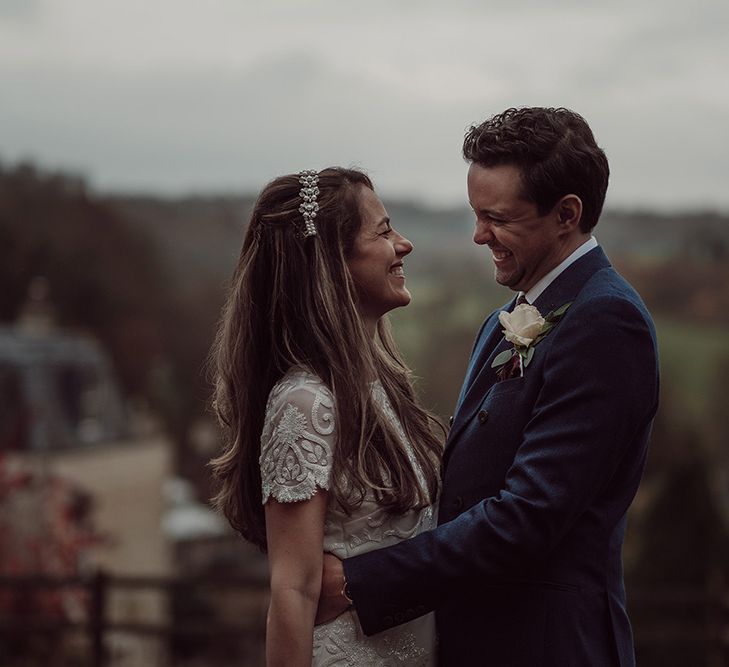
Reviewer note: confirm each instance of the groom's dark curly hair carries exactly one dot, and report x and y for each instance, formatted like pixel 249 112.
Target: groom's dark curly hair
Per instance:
pixel 555 151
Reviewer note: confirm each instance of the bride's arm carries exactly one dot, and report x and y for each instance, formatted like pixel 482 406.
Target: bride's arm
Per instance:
pixel 295 533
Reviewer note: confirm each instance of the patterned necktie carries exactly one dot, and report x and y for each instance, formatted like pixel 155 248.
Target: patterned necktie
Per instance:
pixel 521 299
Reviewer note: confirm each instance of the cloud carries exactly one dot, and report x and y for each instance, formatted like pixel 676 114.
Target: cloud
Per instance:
pixel 225 95
pixel 13 10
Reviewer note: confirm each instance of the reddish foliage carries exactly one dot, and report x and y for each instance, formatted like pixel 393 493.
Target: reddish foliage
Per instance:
pixel 44 531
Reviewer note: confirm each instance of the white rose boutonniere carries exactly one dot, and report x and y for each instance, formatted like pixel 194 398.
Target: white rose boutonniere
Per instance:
pixel 524 327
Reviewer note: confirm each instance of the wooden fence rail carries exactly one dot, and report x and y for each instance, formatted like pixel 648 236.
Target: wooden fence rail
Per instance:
pixel 98 626
pixel 664 619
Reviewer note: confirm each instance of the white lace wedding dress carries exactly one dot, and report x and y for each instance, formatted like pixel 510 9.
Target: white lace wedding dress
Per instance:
pixel 297 446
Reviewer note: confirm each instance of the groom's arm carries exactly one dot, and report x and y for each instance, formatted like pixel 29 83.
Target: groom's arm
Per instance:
pixel 599 393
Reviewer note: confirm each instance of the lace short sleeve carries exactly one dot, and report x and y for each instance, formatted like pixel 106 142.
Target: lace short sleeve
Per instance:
pixel 297 439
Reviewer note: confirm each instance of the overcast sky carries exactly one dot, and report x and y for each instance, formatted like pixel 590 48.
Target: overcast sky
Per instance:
pixel 221 95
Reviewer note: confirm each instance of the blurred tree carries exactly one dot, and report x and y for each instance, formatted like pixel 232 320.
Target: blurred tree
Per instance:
pixel 684 538
pixel 679 551
pixel 680 573
pixel 103 276
pixel 682 286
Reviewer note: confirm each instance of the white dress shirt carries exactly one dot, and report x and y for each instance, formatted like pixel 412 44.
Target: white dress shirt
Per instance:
pixel 533 294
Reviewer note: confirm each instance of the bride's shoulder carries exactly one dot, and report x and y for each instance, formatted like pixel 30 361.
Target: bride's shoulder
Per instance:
pixel 299 385
pixel 298 437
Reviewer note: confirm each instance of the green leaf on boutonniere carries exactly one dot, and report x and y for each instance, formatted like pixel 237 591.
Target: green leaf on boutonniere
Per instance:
pixel 502 358
pixel 548 326
pixel 527 356
pixel 557 314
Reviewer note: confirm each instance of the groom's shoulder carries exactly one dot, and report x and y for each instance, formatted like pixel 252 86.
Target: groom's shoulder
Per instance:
pixel 607 283
pixel 607 289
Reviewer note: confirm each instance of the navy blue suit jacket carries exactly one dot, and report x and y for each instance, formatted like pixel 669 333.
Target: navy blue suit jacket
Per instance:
pixel 525 566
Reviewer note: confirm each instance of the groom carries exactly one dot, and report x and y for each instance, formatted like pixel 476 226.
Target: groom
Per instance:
pixel 549 440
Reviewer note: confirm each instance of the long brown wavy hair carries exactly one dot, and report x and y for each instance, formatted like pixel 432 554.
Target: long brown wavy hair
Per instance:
pixel 293 302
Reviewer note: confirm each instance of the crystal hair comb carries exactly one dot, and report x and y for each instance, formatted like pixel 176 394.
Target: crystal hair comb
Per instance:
pixel 308 208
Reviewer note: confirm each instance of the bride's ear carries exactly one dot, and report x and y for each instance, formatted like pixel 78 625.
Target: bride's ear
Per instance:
pixel 569 212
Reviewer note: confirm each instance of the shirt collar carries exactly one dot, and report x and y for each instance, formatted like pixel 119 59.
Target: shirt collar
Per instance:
pixel 533 294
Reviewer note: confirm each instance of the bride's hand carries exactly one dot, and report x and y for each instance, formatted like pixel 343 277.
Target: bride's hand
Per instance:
pixel 332 601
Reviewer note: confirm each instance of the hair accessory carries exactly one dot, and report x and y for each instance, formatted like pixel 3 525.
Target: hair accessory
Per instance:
pixel 309 190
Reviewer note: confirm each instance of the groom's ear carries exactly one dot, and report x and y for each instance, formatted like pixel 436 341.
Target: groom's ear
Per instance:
pixel 569 212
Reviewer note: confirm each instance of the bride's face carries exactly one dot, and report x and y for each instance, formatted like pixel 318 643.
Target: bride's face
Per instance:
pixel 376 262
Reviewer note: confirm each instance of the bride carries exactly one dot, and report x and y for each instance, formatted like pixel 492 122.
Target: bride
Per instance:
pixel 327 447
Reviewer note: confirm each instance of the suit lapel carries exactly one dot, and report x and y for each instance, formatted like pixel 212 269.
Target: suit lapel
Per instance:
pixel 480 377
pixel 484 380
pixel 488 339
pixel 568 284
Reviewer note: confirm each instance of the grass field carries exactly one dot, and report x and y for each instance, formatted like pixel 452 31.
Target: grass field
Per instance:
pixel 694 365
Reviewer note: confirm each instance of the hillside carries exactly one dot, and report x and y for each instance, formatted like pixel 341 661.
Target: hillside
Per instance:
pixel 203 234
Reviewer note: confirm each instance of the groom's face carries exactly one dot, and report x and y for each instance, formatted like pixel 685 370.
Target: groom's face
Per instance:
pixel 524 245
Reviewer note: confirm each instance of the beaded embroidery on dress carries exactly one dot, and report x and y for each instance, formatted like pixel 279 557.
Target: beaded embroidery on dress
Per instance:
pixel 297 446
